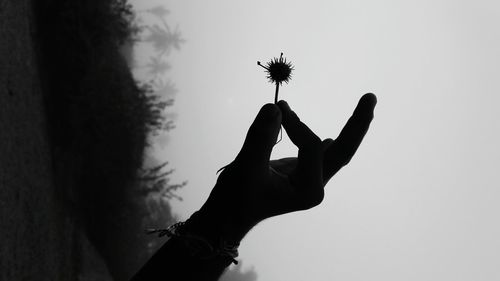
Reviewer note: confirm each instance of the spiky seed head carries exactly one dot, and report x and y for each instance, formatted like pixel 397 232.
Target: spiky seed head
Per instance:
pixel 278 70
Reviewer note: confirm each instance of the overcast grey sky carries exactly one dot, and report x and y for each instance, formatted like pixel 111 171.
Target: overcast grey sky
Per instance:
pixel 420 200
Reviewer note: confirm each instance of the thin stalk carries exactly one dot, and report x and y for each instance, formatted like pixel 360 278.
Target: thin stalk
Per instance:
pixel 276 93
pixel 276 102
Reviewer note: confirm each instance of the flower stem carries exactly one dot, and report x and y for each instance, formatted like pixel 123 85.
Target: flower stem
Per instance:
pixel 276 102
pixel 276 94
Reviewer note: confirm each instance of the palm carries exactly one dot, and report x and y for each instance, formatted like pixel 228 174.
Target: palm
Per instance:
pixel 291 191
pixel 258 188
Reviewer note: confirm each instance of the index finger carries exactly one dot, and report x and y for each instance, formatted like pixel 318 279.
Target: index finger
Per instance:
pixel 298 132
pixel 308 176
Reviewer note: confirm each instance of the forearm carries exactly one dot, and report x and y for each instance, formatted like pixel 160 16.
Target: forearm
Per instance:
pixel 197 253
pixel 173 262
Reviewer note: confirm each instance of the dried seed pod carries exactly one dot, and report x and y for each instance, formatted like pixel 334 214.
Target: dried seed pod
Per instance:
pixel 278 71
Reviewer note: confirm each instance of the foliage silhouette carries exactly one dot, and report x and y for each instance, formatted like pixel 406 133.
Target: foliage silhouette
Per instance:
pixel 164 39
pixel 158 66
pixel 100 122
pixel 155 188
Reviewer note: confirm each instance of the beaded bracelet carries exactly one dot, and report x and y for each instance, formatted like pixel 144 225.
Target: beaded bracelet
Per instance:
pixel 197 245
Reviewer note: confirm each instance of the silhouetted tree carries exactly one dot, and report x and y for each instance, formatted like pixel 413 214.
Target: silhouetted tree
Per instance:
pixel 100 121
pixel 155 187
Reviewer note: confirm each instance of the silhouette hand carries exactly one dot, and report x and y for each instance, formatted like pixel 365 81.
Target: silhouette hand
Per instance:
pixel 253 187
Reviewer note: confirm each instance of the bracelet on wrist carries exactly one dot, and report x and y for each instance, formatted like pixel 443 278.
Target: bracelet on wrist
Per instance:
pixel 197 245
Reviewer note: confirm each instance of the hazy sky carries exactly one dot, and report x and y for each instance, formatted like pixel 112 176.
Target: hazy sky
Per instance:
pixel 420 200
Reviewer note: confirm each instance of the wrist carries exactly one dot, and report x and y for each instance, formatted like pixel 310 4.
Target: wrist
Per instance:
pixel 217 227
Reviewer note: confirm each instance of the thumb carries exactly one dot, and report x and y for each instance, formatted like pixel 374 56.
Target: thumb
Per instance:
pixel 261 137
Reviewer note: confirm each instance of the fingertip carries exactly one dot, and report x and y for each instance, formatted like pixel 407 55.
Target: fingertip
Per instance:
pixel 261 136
pixel 269 112
pixel 366 106
pixel 283 105
pixel 327 142
pixel 288 114
pixel 369 98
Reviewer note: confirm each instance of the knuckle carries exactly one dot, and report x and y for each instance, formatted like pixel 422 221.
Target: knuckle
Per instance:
pixel 317 198
pixel 313 199
pixel 346 161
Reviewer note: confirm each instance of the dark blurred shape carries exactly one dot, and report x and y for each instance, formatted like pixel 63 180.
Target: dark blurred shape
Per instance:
pixel 99 123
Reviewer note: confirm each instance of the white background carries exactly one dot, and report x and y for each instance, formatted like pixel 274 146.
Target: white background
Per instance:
pixel 420 200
